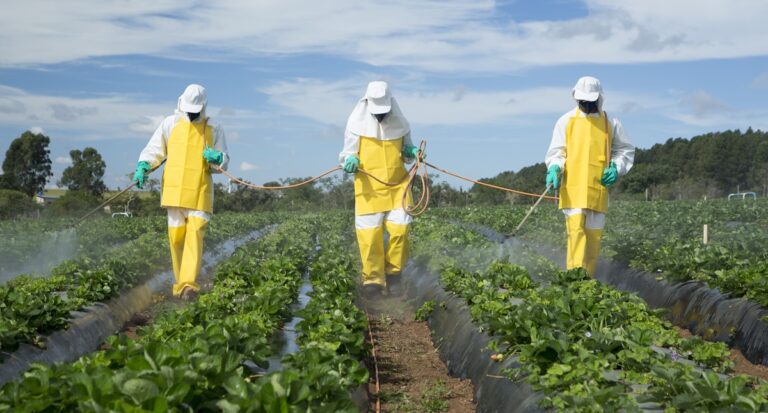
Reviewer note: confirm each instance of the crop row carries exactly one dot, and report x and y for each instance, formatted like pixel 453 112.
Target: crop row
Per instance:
pixel 211 354
pixel 586 346
pixel 327 368
pixel 31 239
pixel 190 359
pixel 664 238
pixel 31 307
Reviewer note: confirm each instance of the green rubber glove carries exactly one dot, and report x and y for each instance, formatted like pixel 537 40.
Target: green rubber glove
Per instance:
pixel 610 174
pixel 212 155
pixel 351 164
pixel 411 152
pixel 553 176
pixel 142 171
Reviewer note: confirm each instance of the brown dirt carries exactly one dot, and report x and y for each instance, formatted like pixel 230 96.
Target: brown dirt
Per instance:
pixel 742 365
pixel 138 320
pixel 411 375
pixel 684 332
pixel 160 304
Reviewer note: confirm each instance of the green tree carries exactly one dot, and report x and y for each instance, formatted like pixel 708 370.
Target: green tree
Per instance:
pixel 530 179
pixel 85 173
pixel 484 195
pixel 74 203
pixel 241 199
pixel 15 203
pixel 299 198
pixel 27 164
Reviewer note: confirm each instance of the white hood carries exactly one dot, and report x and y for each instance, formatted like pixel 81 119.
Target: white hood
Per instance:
pixel 194 99
pixel 362 123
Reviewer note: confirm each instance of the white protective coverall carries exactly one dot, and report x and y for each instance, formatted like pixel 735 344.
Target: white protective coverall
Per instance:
pixel 378 145
pixel 187 190
pixel 583 199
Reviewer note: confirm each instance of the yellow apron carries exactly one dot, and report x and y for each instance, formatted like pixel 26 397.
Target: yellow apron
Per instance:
pixel 587 153
pixel 187 179
pixel 383 160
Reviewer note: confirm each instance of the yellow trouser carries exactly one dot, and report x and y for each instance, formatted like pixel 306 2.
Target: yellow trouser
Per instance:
pixel 397 250
pixel 583 244
pixel 377 263
pixel 187 252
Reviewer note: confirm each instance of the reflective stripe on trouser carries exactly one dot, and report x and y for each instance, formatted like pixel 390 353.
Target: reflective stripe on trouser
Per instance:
pixel 186 230
pixel 584 230
pixel 377 262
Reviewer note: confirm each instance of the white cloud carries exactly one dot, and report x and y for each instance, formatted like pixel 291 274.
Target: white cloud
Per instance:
pixel 757 119
pixel 707 112
pixel 448 35
pixel 331 102
pixel 225 112
pixel 702 104
pixel 37 130
pixel 247 166
pixel 63 160
pixel 146 125
pixel 91 117
pixel 95 118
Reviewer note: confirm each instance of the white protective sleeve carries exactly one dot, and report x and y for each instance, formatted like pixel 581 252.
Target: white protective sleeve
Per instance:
pixel 622 151
pixel 352 145
pixel 157 147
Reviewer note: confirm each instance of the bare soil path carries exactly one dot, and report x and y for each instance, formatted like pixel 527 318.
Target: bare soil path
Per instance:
pixel 412 377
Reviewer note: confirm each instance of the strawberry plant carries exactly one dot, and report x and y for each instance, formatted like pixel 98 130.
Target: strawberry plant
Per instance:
pixel 209 355
pixel 34 306
pixel 661 237
pixel 585 345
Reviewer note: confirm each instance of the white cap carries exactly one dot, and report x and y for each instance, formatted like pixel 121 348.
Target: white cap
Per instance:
pixel 587 88
pixel 193 99
pixel 379 99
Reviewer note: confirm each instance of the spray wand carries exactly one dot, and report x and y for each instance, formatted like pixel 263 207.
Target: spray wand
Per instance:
pixel 530 211
pixel 103 204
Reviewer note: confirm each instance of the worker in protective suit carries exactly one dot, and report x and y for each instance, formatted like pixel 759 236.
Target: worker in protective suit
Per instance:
pixel 378 140
pixel 588 153
pixel 192 148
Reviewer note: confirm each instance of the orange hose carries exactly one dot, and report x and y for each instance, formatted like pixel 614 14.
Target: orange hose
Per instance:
pixel 500 188
pixel 299 184
pixel 275 188
pixel 418 169
pixel 421 205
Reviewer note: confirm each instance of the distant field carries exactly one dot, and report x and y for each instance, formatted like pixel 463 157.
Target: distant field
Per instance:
pixel 57 192
pixel 54 192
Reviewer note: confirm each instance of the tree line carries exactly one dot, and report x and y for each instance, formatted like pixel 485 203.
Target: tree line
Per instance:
pixel 710 165
pixel 27 169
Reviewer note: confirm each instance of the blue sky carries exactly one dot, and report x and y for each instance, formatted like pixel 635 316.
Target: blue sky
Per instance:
pixel 483 82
